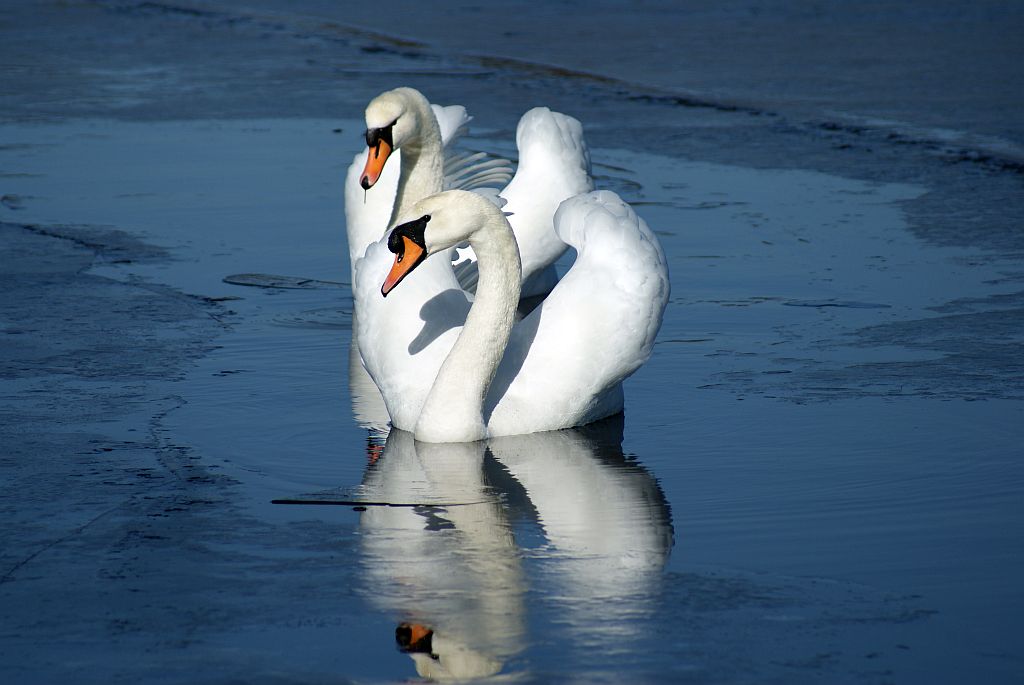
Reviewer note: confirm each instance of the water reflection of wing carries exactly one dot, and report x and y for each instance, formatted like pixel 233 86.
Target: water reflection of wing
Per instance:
pixel 606 521
pixel 367 404
pixel 449 567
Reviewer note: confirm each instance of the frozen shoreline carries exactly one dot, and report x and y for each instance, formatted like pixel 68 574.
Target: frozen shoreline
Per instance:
pixel 310 62
pixel 944 73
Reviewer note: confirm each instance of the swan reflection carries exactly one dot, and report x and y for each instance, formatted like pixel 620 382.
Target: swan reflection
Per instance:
pixel 453 563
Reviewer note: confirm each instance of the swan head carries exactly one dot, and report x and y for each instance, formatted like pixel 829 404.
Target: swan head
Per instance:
pixel 394 118
pixel 408 242
pixel 435 224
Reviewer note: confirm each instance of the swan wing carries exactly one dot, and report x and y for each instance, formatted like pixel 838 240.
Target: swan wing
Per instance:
pixel 464 170
pixel 554 165
pixel 565 362
pixel 453 120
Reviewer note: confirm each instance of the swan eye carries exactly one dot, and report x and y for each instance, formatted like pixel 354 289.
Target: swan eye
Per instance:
pixel 374 136
pixel 395 242
pixel 413 230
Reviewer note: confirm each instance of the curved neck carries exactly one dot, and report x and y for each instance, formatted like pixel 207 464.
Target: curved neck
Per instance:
pixel 453 411
pixel 422 171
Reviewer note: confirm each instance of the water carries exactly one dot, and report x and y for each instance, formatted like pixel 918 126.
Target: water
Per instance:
pixel 817 476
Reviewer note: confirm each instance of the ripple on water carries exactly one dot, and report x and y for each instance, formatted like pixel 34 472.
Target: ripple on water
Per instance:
pixel 322 318
pixel 842 304
pixel 280 282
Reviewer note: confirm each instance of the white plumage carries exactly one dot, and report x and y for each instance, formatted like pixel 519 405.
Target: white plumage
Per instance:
pixel 554 164
pixel 367 211
pixel 434 357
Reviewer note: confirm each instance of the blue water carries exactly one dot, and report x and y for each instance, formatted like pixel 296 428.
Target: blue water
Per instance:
pixel 792 494
pixel 817 477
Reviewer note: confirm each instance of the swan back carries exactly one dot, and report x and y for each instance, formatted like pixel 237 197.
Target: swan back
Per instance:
pixel 565 362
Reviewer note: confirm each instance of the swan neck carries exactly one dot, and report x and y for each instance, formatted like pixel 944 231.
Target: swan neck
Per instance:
pixel 453 411
pixel 422 172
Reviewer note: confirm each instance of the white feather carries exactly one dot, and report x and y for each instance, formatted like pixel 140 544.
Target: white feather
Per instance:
pixel 564 363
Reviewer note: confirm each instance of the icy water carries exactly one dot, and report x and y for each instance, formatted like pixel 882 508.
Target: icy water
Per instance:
pixel 793 488
pixel 817 477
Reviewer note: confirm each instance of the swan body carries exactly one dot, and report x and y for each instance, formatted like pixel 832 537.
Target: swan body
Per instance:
pixel 466 371
pixel 554 164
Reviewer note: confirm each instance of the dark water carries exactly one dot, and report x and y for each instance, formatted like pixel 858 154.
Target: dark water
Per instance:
pixel 817 478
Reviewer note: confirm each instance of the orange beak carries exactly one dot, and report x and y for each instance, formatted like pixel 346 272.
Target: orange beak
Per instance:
pixel 414 637
pixel 405 261
pixel 418 632
pixel 376 156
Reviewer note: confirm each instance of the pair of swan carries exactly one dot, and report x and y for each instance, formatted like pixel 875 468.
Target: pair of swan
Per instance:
pixel 554 165
pixel 452 367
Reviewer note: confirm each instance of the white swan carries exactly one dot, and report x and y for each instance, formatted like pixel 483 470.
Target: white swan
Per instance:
pixel 367 214
pixel 561 366
pixel 554 164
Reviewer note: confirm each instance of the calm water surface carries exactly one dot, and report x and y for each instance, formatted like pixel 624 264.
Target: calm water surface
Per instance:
pixel 817 476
